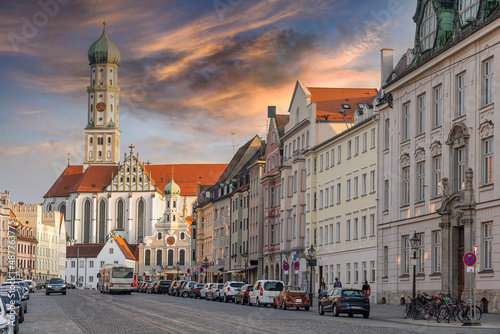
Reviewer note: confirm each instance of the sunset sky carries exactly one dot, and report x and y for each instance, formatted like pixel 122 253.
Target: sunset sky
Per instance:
pixel 194 75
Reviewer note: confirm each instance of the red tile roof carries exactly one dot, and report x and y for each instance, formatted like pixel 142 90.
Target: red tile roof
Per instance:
pixel 329 101
pixel 95 179
pixel 65 182
pixel 124 247
pixel 187 176
pixel 134 248
pixel 86 250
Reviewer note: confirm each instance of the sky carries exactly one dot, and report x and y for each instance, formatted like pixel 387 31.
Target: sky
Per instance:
pixel 196 77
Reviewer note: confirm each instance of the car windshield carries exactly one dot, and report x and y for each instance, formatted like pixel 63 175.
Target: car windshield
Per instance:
pixel 250 288
pixel 13 294
pixel 6 299
pixel 293 288
pixel 56 281
pixel 200 285
pixel 236 285
pixel 219 286
pixel 122 273
pixel 353 293
pixel 273 286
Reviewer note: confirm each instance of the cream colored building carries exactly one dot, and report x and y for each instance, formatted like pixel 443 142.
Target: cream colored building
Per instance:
pixel 49 229
pixel 437 164
pixel 341 204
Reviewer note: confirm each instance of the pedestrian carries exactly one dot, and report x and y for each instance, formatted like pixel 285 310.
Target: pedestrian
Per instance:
pixel 337 283
pixel 366 289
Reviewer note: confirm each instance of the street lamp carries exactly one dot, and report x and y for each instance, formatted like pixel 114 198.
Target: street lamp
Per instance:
pixel 205 265
pixel 245 257
pixel 311 252
pixel 415 241
pixel 178 266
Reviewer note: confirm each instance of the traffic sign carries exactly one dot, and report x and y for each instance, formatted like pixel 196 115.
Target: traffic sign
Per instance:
pixel 296 265
pixel 470 259
pixel 188 270
pixel 201 270
pixel 286 266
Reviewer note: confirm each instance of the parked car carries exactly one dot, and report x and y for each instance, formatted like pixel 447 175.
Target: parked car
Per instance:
pixel 22 295
pixel 139 286
pixel 179 289
pixel 292 296
pixel 162 287
pixel 264 291
pixel 175 289
pixel 31 285
pixel 14 295
pixel 24 290
pixel 144 287
pixel 151 287
pixel 214 292
pixel 184 291
pixel 11 310
pixel 7 324
pixel 242 295
pixel 70 286
pixel 55 285
pixel 229 289
pixel 203 291
pixel 194 292
pixel 350 301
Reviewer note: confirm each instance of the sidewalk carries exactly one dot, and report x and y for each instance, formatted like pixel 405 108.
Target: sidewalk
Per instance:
pixel 394 313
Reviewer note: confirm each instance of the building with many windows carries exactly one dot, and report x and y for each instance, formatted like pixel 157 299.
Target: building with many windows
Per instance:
pixel 436 167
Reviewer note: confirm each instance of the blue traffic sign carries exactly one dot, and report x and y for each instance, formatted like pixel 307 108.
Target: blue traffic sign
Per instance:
pixel 470 259
pixel 286 266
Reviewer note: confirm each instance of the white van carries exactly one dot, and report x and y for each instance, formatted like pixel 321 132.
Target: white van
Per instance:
pixel 264 292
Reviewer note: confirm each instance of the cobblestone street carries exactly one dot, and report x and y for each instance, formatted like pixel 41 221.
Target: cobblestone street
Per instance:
pixel 91 312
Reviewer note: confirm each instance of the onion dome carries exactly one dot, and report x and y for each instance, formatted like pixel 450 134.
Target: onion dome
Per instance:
pixel 104 50
pixel 172 189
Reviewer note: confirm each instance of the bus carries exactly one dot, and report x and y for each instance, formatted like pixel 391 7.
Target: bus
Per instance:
pixel 115 278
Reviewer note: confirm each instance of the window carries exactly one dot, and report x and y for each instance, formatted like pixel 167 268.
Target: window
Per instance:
pixel 320 235
pixel 331 233
pixel 326 196
pixel 461 169
pixel 421 254
pixel 372 225
pixel 356 146
pixel 73 264
pixel 339 154
pixel 170 257
pixel 91 264
pixel 120 217
pixel 327 160
pixel 326 234
pixel 348 190
pixel 461 95
pixel 356 182
pixel 308 166
pixel 386 134
pixel 364 272
pixel 436 182
pixel 406 256
pixel 111 251
pixel 349 147
pixel 488 246
pixel 372 271
pixel 421 114
pixel 488 161
pixel 338 232
pixel 488 82
pixel 321 163
pixel 467 9
pixel 147 257
pixel 339 190
pixel 91 279
pixel 333 157
pixel 159 257
pixel 182 256
pixel 356 273
pixel 315 200
pixel 348 230
pixel 356 235
pixel 372 181
pixel 421 181
pixel 436 251
pixel 386 261
pixel 363 184
pixel 315 165
pixel 365 142
pixel 406 122
pixel 348 272
pixel 438 97
pixel 308 202
pixel 321 199
pixel 406 186
pixel 373 138
pixel 428 28
pixel 363 226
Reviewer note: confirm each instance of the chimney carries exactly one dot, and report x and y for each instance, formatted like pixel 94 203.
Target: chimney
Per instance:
pixel 386 64
pixel 271 111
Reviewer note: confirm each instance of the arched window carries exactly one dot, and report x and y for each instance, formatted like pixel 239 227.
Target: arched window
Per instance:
pixel 170 257
pixel 86 221
pixel 62 209
pixel 110 82
pixel 160 235
pixel 174 204
pixel 120 214
pixel 182 235
pixel 159 255
pixel 182 257
pixel 73 208
pixel 428 27
pixel 147 257
pixel 140 220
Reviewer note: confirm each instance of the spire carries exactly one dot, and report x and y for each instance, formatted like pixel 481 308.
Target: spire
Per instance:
pixel 69 158
pixel 172 172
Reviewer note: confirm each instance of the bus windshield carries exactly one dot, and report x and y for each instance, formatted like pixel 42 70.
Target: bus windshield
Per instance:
pixel 123 273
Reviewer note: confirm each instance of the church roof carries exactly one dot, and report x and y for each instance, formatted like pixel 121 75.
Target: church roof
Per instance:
pixel 125 248
pixel 86 250
pixel 95 178
pixel 65 182
pixel 329 101
pixel 104 50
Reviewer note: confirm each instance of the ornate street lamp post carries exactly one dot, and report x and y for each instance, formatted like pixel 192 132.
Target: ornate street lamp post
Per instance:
pixel 415 241
pixel 311 252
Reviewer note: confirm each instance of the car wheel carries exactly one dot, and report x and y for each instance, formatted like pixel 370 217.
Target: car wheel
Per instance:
pixel 320 309
pixel 64 293
pixel 306 308
pixel 336 310
pixel 274 305
pixel 258 302
pixel 226 300
pixel 236 300
pixel 249 302
pixel 185 294
pixel 366 315
pixel 350 315
pixel 283 305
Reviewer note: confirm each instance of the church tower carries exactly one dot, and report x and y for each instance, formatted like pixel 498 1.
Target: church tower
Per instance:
pixel 102 135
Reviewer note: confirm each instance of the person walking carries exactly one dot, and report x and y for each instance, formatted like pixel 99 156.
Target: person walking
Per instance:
pixel 337 283
pixel 366 289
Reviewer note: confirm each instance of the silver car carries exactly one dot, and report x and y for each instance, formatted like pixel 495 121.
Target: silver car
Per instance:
pixel 203 291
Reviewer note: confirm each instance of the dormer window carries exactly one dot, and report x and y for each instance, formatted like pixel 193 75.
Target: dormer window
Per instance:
pixel 467 10
pixel 346 106
pixel 361 106
pixel 428 27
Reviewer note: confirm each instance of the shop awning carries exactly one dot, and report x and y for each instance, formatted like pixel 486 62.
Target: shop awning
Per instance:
pixel 215 270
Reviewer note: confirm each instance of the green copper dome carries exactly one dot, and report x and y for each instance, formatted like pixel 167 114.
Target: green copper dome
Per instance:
pixel 104 50
pixel 172 188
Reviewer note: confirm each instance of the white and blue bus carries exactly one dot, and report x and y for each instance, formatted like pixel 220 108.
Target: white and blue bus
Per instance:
pixel 114 278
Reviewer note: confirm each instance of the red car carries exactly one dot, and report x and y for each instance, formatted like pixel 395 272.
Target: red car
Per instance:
pixel 292 296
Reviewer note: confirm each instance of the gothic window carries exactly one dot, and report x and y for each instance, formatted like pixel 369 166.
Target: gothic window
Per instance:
pixel 170 257
pixel 102 222
pixel 467 9
pixel 140 220
pixel 159 255
pixel 62 209
pixel 86 221
pixel 147 257
pixel 182 257
pixel 428 27
pixel 120 214
pixel 160 235
pixel 72 232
